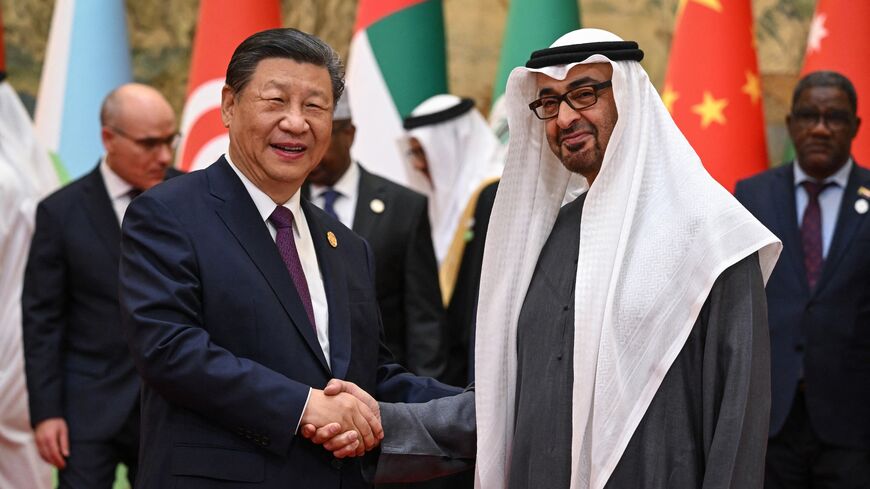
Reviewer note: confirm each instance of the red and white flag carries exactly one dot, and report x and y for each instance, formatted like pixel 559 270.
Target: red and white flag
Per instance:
pixel 221 26
pixel 713 89
pixel 839 40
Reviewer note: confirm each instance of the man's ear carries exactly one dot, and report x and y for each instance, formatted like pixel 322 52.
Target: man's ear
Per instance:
pixel 228 104
pixel 108 137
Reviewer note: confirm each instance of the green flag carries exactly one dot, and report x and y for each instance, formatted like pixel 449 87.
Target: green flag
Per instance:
pixel 531 25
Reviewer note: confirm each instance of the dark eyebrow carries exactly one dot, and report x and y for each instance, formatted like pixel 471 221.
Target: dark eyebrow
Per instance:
pixel 579 82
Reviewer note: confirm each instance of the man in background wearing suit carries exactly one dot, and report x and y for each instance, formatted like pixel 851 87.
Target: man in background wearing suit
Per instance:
pixel 395 222
pixel 240 300
pixel 819 294
pixel 84 391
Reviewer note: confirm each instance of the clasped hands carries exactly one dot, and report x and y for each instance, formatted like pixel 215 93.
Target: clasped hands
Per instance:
pixel 343 418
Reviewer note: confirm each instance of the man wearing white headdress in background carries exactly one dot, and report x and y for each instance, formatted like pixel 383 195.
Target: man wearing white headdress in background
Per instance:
pixel 453 151
pixel 621 338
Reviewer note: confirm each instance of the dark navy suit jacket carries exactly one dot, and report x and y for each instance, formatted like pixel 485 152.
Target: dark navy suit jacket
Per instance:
pixel 77 362
pixel 825 331
pixel 406 275
pixel 225 348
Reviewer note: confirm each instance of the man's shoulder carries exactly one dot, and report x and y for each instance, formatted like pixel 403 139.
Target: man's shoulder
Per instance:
pixel 180 187
pixel 765 184
pixel 64 197
pixel 766 176
pixel 390 188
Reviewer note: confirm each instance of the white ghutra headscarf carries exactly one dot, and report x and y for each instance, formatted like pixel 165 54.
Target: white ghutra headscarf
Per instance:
pixel 461 152
pixel 657 231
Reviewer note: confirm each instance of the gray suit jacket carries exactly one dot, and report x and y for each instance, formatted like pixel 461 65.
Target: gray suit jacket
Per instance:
pixel 427 440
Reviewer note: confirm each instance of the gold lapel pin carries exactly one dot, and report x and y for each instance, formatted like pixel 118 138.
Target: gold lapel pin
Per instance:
pixel 864 192
pixel 377 206
pixel 333 241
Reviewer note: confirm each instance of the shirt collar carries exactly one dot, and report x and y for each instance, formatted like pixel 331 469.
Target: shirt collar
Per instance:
pixel 265 204
pixel 841 177
pixel 115 185
pixel 347 185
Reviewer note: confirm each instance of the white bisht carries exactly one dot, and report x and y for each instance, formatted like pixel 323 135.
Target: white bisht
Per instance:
pixel 26 175
pixel 657 231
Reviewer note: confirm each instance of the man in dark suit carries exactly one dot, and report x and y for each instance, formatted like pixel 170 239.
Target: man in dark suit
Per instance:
pixel 240 300
pixel 818 296
pixel 84 391
pixel 395 222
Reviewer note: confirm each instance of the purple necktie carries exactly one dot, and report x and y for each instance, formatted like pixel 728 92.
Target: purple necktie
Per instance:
pixel 282 219
pixel 811 232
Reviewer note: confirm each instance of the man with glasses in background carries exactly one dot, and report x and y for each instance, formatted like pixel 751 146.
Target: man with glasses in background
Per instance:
pixel 819 294
pixel 83 389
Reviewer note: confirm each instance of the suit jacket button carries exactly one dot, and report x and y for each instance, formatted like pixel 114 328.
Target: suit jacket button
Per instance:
pixel 799 348
pixel 337 463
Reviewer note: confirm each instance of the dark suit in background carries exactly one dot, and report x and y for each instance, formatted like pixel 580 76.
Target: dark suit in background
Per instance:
pixel 225 347
pixel 406 272
pixel 462 310
pixel 820 338
pixel 77 363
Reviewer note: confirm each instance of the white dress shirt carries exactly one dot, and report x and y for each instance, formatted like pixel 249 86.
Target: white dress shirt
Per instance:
pixel 348 188
pixel 305 248
pixel 118 189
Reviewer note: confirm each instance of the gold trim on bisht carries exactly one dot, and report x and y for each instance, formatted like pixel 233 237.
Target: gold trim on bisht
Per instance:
pixel 450 266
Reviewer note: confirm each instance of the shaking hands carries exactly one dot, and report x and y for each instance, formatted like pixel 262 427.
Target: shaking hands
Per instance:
pixel 343 418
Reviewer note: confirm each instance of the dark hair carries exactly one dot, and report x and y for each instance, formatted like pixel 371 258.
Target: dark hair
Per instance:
pixel 826 79
pixel 283 43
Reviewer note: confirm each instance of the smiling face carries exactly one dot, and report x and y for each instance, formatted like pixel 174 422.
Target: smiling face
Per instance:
pixel 279 124
pixel 579 137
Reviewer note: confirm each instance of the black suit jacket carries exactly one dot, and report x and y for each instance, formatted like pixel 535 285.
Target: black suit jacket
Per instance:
pixel 223 343
pixel 826 331
pixel 77 363
pixel 406 272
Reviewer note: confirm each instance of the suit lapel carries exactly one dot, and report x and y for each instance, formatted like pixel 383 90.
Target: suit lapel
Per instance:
pixel 848 222
pixel 241 217
pixel 786 214
pixel 365 220
pixel 334 283
pixel 101 212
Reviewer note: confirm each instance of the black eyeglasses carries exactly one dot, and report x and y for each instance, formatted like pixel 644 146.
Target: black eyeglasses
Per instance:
pixel 834 120
pixel 150 144
pixel 577 98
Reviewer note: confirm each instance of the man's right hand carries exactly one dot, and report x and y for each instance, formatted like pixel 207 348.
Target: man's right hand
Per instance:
pixel 342 443
pixel 344 413
pixel 52 441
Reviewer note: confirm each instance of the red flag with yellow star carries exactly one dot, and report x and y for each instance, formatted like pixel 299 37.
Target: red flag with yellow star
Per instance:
pixel 713 90
pixel 839 40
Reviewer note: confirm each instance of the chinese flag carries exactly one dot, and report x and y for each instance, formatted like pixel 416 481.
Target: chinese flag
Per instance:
pixel 221 26
pixel 713 90
pixel 839 40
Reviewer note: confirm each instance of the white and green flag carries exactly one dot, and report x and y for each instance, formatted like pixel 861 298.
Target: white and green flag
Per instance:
pixel 397 59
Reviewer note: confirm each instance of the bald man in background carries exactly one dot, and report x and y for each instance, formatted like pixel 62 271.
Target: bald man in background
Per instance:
pixel 84 391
